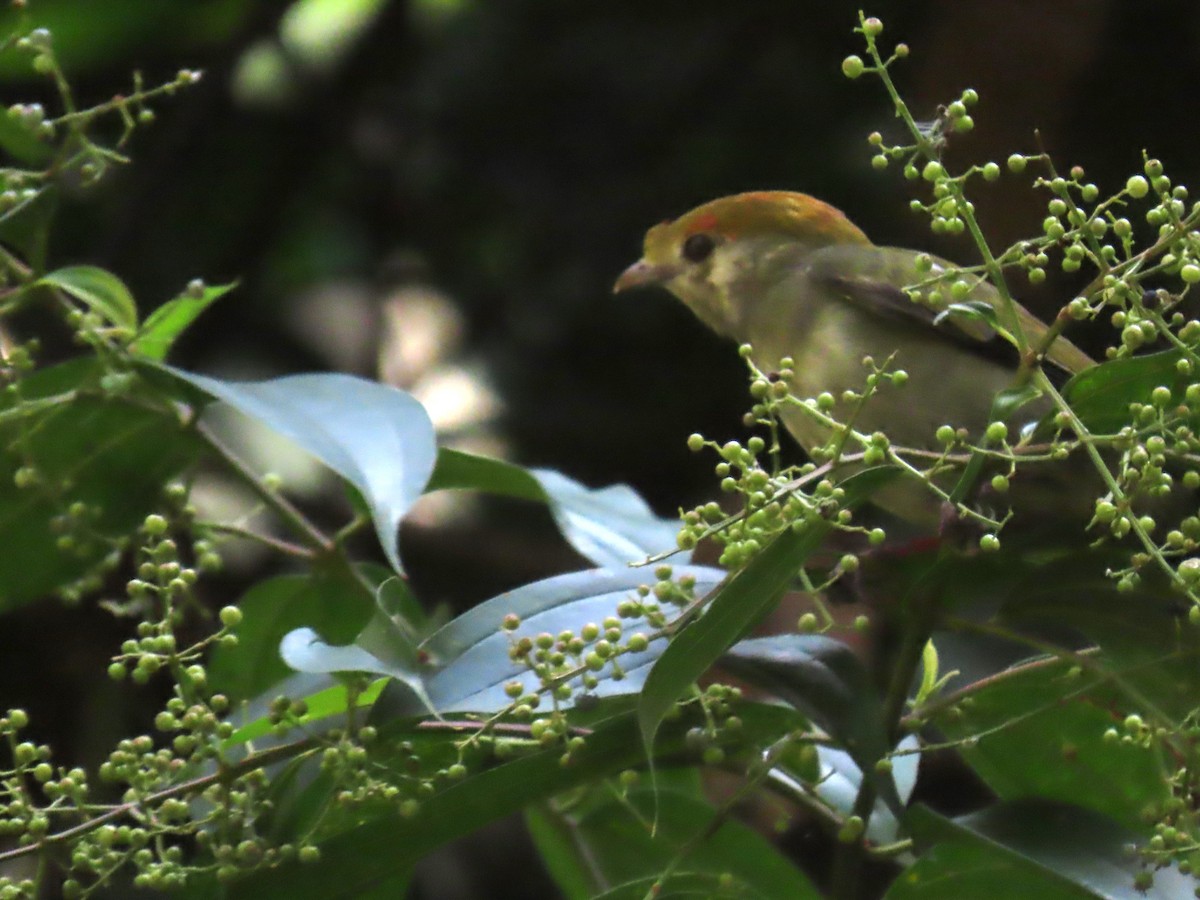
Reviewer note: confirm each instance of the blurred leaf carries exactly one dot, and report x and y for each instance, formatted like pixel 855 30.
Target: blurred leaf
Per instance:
pixel 109 455
pixel 636 838
pixel 611 526
pixel 329 601
pixel 128 29
pixel 321 31
pixel 99 290
pixel 163 326
pixel 21 144
pixel 1033 849
pixel 470 653
pixel 376 437
pixel 26 228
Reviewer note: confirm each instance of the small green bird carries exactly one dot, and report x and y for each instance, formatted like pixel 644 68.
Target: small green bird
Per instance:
pixel 793 277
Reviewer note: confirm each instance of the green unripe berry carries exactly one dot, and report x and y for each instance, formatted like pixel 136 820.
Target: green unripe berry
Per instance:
pixel 1137 186
pixel 853 67
pixel 933 171
pixel 1016 164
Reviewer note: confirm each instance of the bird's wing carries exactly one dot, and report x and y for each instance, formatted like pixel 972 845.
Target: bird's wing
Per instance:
pixel 872 279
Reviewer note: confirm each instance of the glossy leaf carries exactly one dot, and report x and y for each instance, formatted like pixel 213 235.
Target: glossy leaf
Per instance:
pixel 376 437
pixel 469 655
pixel 163 326
pixel 611 526
pixel 1032 849
pixel 304 651
pixel 99 290
pixel 822 678
pixel 1101 395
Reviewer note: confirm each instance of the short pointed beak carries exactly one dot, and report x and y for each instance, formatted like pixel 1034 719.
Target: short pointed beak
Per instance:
pixel 642 273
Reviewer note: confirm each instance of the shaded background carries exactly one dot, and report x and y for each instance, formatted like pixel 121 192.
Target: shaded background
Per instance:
pixel 442 192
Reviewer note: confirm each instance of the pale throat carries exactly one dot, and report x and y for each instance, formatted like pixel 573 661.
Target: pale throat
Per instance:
pixel 738 277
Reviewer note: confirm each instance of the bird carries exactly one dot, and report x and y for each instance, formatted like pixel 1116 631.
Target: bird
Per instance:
pixel 796 280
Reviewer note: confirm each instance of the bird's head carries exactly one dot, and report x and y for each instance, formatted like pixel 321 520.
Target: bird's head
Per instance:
pixel 721 255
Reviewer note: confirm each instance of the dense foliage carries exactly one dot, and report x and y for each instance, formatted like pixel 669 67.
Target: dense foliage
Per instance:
pixel 329 728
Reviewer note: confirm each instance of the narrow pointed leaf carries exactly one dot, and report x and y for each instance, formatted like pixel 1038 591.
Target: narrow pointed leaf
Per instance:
pixel 163 326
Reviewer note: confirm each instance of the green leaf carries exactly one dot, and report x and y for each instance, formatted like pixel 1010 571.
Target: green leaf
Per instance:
pixel 1032 848
pixel 611 526
pixel 331 602
pixel 628 841
pixel 109 455
pixel 99 290
pixel 469 655
pixel 26 227
pixel 735 607
pixel 824 679
pixel 358 856
pixel 1101 395
pixel 163 326
pixel 21 144
pixel 325 702
pixel 377 438
pixel 1038 731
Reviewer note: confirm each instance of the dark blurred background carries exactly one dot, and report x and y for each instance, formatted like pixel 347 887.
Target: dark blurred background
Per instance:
pixel 452 185
pixel 441 193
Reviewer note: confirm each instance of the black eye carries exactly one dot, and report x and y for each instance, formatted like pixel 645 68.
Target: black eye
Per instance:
pixel 698 247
